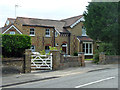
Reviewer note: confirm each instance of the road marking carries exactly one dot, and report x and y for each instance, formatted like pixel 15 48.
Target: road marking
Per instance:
pixel 94 82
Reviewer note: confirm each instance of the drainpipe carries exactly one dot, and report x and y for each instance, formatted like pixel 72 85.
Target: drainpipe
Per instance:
pixel 54 37
pixel 69 43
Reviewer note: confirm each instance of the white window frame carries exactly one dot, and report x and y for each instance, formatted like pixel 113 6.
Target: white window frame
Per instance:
pixel 32 32
pixel 33 48
pixel 12 32
pixel 88 48
pixel 47 32
pixel 56 34
pixel 7 22
pixel 84 30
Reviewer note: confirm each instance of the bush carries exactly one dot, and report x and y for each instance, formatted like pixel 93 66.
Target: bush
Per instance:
pixel 75 54
pixel 108 48
pixel 15 45
pixel 96 57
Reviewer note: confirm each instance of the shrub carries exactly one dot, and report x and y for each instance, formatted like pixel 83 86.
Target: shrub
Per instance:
pixel 75 54
pixel 15 45
pixel 96 57
pixel 108 48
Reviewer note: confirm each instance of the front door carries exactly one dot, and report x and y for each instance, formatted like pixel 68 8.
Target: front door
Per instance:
pixel 64 49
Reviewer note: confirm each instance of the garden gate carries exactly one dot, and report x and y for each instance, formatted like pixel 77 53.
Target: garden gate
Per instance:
pixel 42 62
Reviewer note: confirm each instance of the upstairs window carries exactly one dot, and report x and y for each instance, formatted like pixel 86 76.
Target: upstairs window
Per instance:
pixel 56 34
pixel 12 32
pixel 47 33
pixel 32 32
pixel 7 23
pixel 83 31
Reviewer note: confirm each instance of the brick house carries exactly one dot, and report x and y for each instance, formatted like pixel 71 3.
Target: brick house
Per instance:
pixel 68 34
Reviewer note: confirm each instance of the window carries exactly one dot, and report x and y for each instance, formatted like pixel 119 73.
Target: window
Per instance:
pixel 12 32
pixel 83 31
pixel 56 34
pixel 47 49
pixel 33 48
pixel 7 23
pixel 87 48
pixel 47 33
pixel 32 32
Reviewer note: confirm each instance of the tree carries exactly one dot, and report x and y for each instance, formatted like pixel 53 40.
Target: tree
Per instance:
pixel 101 22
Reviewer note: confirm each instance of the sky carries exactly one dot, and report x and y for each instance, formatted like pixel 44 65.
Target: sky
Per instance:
pixel 43 9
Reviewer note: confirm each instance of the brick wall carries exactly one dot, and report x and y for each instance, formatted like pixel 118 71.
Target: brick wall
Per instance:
pixel 60 61
pixel 70 61
pixel 108 59
pixel 17 65
pixel 12 65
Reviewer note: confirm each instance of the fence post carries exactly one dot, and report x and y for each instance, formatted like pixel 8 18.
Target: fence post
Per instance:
pixel 55 59
pixel 81 58
pixel 27 61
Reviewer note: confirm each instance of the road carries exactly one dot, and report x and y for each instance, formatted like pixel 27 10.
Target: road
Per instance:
pixel 107 78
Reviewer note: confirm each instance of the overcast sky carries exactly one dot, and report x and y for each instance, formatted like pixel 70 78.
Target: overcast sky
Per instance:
pixel 43 9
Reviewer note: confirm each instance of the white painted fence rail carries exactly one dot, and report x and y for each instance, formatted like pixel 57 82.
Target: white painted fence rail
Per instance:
pixel 39 61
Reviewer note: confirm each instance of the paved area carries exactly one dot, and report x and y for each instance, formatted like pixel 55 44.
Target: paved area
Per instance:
pixel 8 80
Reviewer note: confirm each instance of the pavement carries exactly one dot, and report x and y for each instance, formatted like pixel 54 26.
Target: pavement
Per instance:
pixel 38 75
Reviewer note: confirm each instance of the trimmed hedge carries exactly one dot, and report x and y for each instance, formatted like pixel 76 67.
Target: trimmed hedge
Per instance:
pixel 15 45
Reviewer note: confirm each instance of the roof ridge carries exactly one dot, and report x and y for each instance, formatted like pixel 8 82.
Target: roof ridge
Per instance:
pixel 71 17
pixel 41 19
pixel 12 18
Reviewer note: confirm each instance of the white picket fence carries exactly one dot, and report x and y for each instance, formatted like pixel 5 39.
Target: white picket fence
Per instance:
pixel 39 61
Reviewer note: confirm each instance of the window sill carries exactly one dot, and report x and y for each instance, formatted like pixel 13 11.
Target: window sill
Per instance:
pixel 88 54
pixel 47 36
pixel 32 35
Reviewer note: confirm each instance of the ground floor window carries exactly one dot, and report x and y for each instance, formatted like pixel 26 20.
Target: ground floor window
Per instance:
pixel 87 48
pixel 47 49
pixel 33 48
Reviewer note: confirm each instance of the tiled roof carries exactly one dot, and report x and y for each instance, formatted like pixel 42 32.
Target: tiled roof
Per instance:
pixel 43 22
pixel 72 20
pixel 59 25
pixel 5 28
pixel 12 20
pixel 84 38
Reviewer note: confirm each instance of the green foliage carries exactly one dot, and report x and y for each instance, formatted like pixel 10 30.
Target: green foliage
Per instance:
pixel 42 52
pixel 107 48
pixel 96 57
pixel 101 22
pixel 75 54
pixel 15 45
pixel 52 48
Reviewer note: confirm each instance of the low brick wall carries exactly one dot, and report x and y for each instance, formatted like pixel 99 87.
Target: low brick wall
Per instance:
pixel 108 59
pixel 112 59
pixel 12 65
pixel 70 61
pixel 60 61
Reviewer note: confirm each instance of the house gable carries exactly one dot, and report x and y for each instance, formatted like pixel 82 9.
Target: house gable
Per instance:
pixel 78 21
pixel 11 26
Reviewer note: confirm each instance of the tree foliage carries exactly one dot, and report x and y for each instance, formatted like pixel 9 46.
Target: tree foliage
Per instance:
pixel 15 45
pixel 101 22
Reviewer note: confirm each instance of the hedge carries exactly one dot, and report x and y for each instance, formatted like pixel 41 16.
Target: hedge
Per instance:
pixel 15 45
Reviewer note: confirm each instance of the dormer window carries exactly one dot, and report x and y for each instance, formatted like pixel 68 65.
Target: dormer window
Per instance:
pixel 56 34
pixel 7 23
pixel 84 31
pixel 32 32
